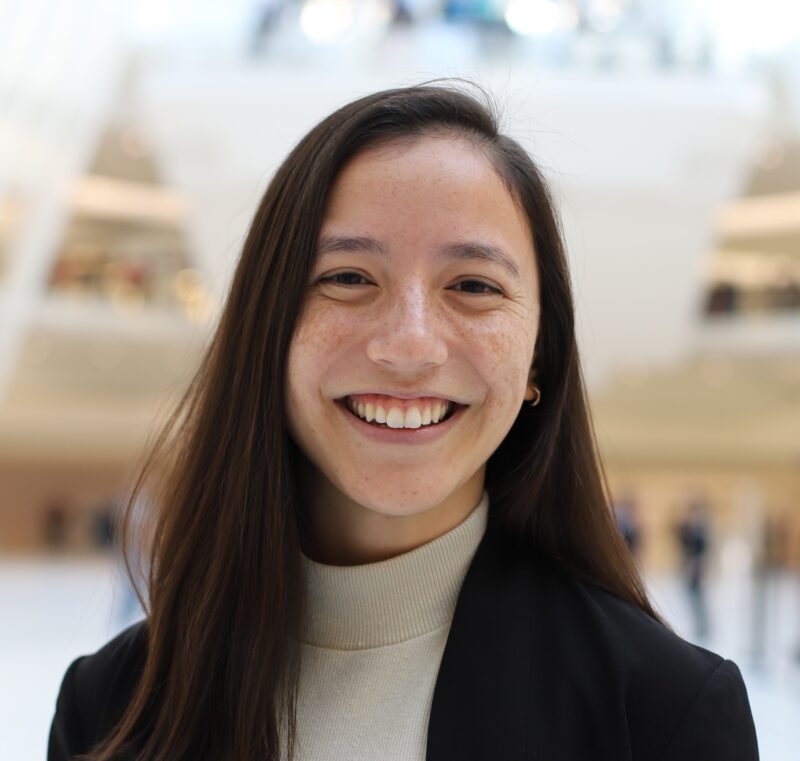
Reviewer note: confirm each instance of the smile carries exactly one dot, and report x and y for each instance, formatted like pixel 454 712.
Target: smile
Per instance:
pixel 402 424
pixel 400 413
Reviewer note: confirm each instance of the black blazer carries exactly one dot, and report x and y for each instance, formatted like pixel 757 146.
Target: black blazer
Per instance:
pixel 537 665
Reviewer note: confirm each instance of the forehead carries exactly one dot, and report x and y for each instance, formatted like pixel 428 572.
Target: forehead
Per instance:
pixel 441 186
pixel 449 152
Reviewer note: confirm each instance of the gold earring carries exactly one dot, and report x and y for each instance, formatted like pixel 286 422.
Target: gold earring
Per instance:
pixel 537 396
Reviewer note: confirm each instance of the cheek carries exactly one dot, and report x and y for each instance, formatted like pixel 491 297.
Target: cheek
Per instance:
pixel 503 350
pixel 304 367
pixel 317 338
pixel 321 329
pixel 510 369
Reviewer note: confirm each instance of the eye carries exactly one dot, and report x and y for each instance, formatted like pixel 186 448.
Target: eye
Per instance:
pixel 347 277
pixel 480 284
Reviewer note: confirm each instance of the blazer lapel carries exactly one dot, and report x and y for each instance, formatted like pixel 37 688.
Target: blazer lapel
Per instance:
pixel 481 701
pixel 525 674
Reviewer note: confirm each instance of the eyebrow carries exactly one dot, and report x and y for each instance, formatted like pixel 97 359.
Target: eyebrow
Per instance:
pixel 464 250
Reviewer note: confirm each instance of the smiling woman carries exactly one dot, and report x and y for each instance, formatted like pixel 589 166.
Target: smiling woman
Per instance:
pixel 384 530
pixel 410 225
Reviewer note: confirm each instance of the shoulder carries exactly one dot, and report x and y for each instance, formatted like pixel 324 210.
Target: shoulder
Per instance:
pixel 677 699
pixel 94 692
pixel 640 646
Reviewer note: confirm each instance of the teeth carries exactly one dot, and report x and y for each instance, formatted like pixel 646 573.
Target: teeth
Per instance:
pixel 414 417
pixel 395 418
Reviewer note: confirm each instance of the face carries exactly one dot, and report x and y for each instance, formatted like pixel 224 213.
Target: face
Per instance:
pixel 424 290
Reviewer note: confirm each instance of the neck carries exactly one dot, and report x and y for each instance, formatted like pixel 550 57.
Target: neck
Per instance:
pixel 344 532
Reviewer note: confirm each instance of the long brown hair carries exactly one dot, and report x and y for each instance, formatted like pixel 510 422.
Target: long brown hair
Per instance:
pixel 224 587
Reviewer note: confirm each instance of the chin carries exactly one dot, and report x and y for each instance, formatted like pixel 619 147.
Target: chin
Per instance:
pixel 397 501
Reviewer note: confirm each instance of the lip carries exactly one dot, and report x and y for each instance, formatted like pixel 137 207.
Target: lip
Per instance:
pixel 399 395
pixel 422 435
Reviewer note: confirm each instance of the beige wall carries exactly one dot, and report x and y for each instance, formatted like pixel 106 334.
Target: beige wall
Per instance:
pixel 28 488
pixel 736 496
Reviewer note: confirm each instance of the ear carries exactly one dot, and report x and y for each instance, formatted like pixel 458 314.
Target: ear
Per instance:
pixel 529 391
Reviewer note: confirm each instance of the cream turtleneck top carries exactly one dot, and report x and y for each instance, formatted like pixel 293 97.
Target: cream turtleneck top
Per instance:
pixel 372 645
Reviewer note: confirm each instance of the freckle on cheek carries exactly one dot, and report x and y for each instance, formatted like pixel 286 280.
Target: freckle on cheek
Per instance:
pixel 321 333
pixel 498 344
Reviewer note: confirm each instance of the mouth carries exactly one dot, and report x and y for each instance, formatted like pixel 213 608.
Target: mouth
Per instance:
pixel 401 414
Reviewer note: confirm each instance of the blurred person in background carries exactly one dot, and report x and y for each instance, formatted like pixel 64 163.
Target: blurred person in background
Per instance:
pixel 627 514
pixel 793 569
pixel 103 525
pixel 127 605
pixel 693 537
pixel 56 525
pixel 769 561
pixel 105 534
pixel 384 529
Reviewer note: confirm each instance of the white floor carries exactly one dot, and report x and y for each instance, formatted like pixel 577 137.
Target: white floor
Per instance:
pixel 57 609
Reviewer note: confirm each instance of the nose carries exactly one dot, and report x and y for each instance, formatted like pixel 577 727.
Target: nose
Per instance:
pixel 408 338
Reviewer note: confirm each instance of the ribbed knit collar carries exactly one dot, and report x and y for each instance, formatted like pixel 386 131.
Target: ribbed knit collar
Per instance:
pixel 391 601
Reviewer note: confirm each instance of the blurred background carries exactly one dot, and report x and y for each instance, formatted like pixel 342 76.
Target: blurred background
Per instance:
pixel 136 137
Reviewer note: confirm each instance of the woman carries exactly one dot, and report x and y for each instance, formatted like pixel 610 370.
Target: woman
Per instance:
pixel 385 532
